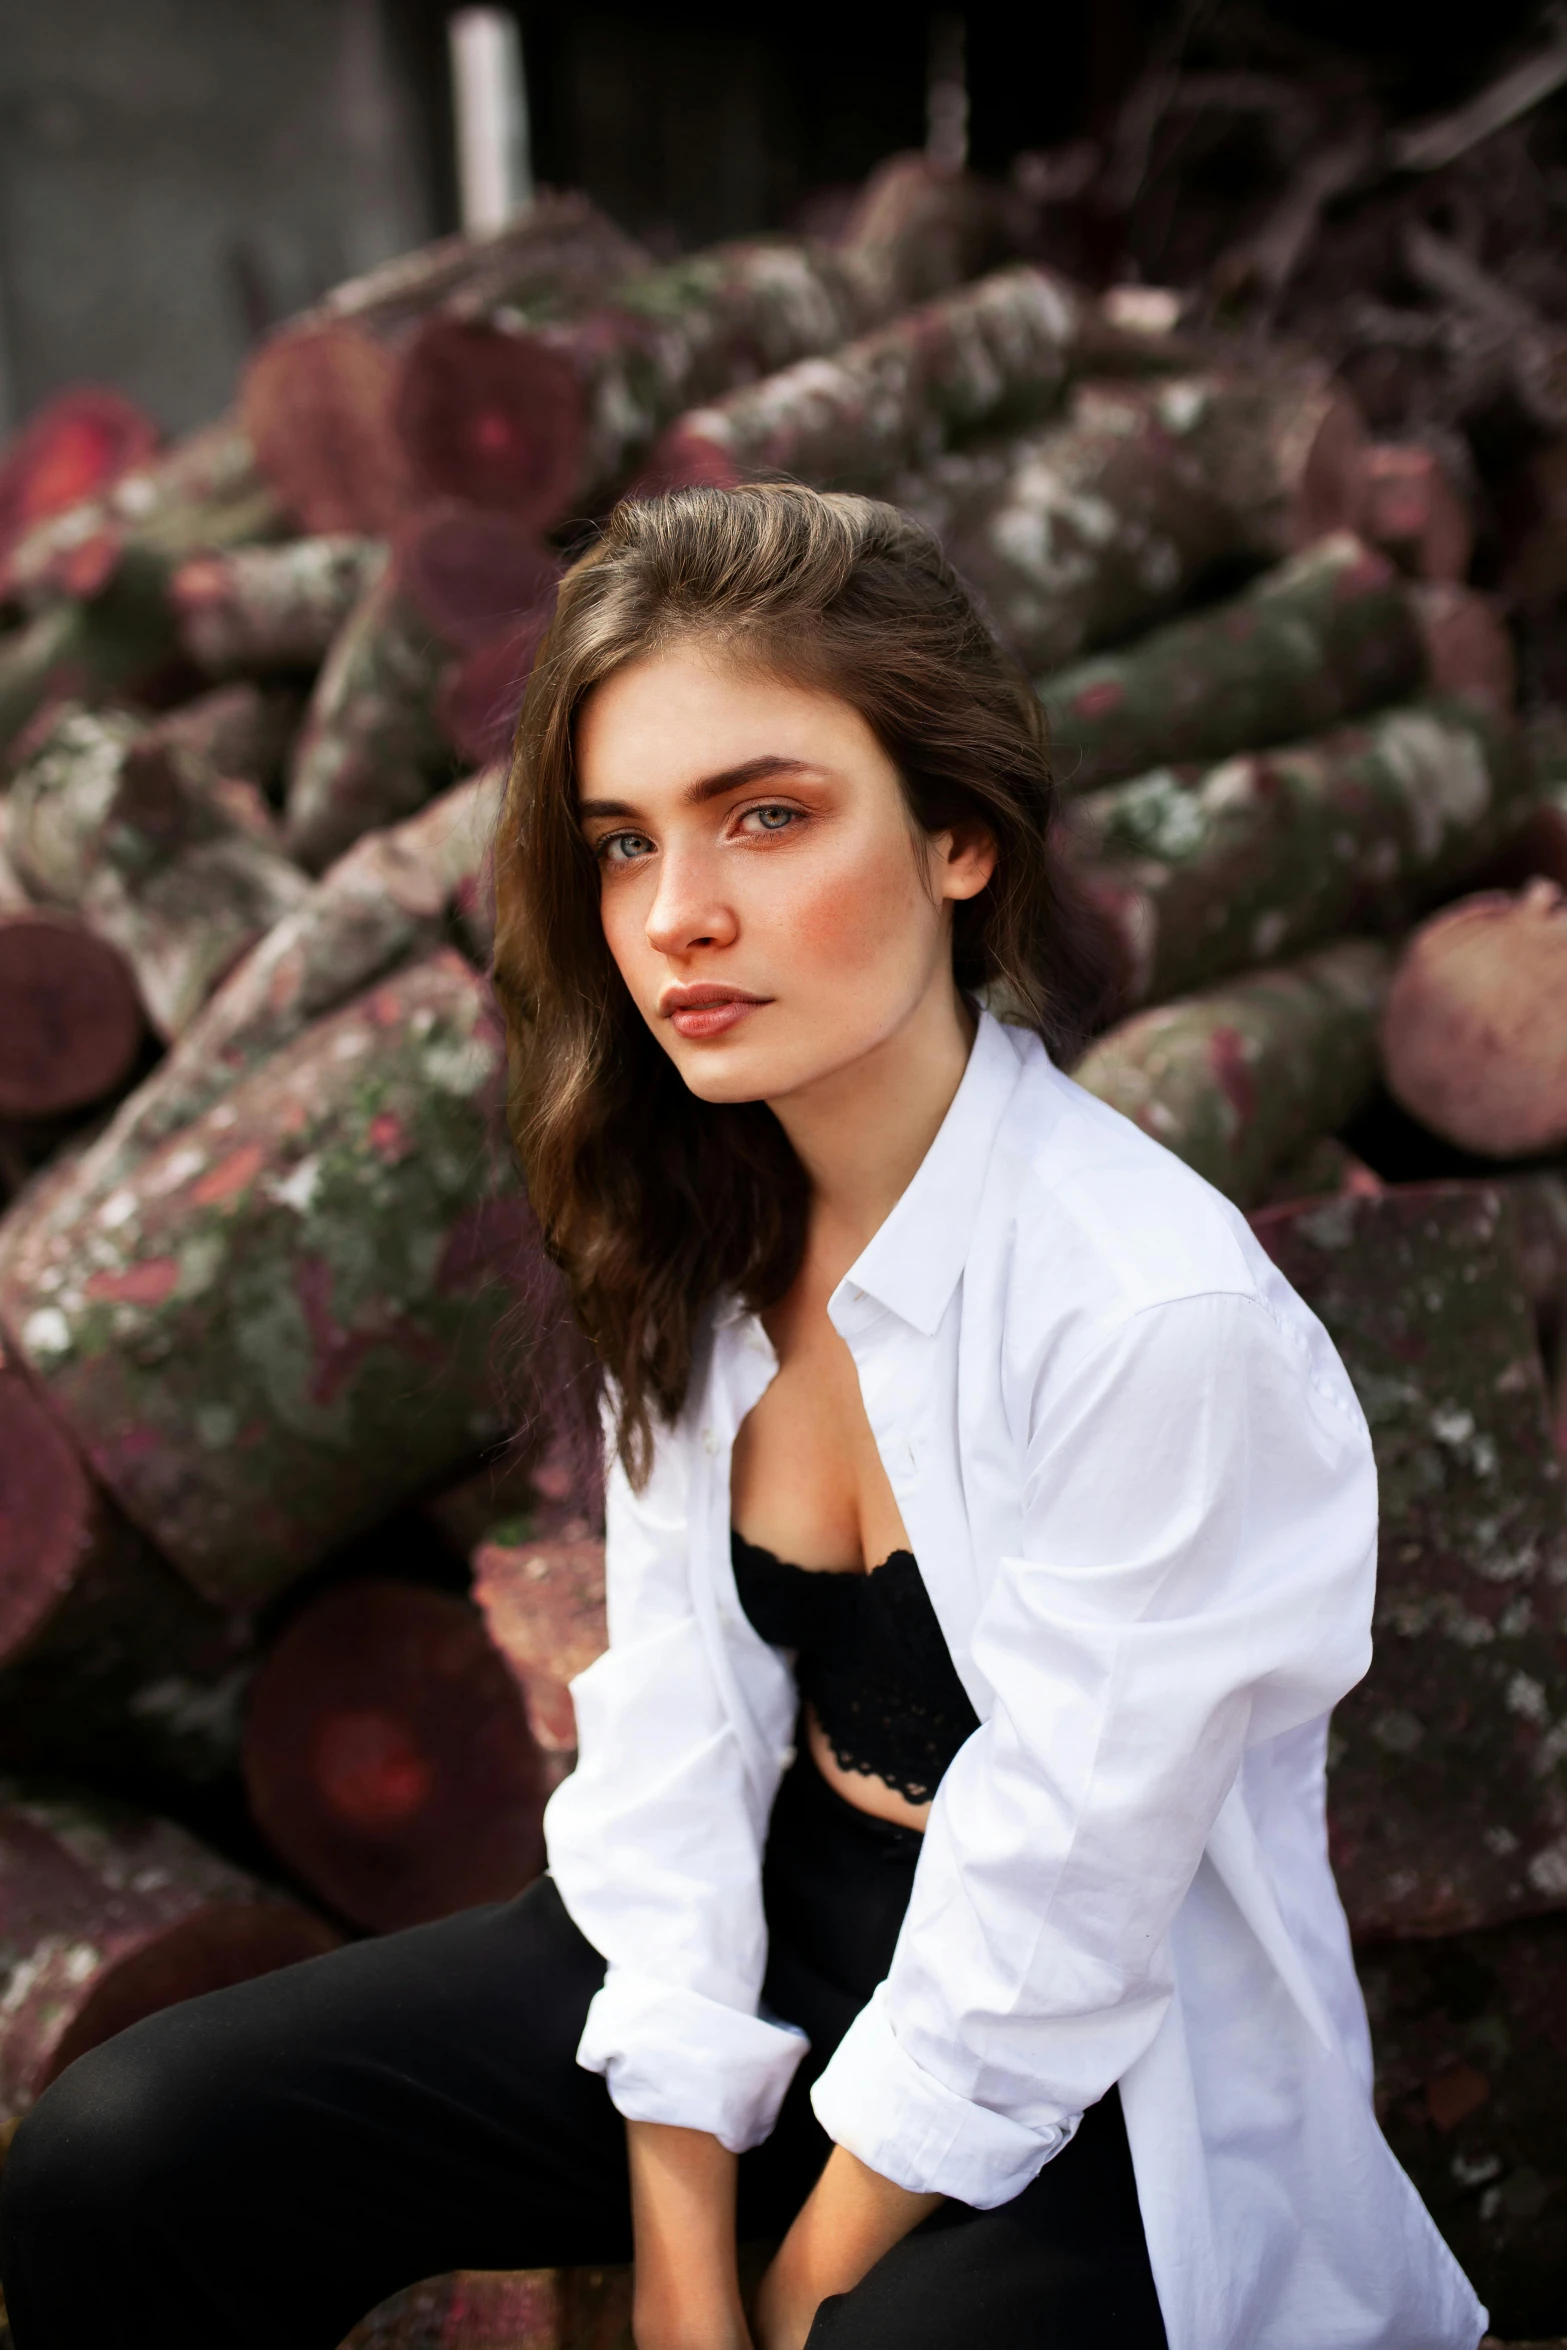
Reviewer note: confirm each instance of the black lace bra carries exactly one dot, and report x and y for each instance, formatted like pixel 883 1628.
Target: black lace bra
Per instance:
pixel 870 1659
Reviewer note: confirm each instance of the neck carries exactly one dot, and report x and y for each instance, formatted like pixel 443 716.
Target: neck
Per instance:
pixel 861 1132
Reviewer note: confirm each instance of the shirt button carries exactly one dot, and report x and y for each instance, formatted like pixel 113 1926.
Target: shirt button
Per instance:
pixel 710 1439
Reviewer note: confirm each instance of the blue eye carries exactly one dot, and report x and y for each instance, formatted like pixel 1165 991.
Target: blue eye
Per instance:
pixel 624 848
pixel 774 819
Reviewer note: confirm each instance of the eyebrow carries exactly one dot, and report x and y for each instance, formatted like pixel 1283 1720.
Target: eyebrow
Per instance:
pixel 710 787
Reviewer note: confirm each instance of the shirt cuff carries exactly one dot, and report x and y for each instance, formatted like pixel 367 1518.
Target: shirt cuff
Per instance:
pixel 900 2120
pixel 671 2055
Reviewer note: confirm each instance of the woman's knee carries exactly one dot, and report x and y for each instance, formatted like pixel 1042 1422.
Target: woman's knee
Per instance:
pixel 98 2140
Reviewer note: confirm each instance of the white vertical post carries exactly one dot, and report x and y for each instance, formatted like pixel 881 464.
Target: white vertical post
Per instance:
pixel 494 166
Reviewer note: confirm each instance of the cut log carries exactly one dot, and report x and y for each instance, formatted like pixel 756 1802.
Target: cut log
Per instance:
pixel 919 227
pixel 283 1323
pixel 990 356
pixel 110 1916
pixel 73 447
pixel 118 644
pixel 509 2309
pixel 1467 644
pixel 321 396
pixel 383 905
pixel 1328 633
pixel 1417 510
pixel 389 1759
pixel 546 420
pixel 203 493
pixel 479 700
pixel 129 831
pixel 1095 527
pixel 1471 2087
pixel 255 610
pixel 1447 1796
pixel 1237 1079
pixel 71 1023
pixel 1327 1168
pixel 1267 853
pixel 1474 1037
pixel 543 1604
pixel 372 748
pixel 110 1666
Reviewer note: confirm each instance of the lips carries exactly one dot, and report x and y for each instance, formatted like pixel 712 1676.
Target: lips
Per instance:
pixel 701 1012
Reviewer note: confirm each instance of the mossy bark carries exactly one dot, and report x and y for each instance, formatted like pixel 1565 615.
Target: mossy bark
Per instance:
pixel 1098 526
pixel 1271 851
pixel 132 833
pixel 253 610
pixel 1448 1782
pixel 283 1322
pixel 1326 634
pixel 1239 1078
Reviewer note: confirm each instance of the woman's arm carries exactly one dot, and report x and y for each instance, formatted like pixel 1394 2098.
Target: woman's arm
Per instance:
pixel 850 2218
pixel 687 2291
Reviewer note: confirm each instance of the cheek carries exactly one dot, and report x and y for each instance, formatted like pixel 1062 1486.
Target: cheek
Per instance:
pixel 866 912
pixel 624 917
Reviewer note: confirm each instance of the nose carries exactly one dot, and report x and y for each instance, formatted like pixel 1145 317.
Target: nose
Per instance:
pixel 689 910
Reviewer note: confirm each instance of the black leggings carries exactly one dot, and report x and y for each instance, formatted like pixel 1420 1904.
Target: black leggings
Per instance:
pixel 262 2166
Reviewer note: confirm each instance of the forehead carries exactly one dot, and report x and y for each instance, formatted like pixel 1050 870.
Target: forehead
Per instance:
pixel 676 716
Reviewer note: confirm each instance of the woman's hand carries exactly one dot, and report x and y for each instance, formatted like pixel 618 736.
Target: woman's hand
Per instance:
pixel 850 2218
pixel 687 2290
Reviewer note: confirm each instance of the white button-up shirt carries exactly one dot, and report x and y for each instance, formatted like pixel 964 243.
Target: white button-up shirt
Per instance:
pixel 1141 1494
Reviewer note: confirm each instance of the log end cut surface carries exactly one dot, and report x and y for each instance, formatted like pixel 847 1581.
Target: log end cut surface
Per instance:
pixel 71 1020
pixel 1474 1036
pixel 318 405
pixel 389 1759
pixel 47 1512
pixel 493 418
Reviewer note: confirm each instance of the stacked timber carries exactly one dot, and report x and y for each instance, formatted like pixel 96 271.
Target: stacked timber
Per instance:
pixel 301 1511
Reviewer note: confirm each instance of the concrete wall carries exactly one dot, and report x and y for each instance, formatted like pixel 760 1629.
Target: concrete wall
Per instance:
pixel 175 174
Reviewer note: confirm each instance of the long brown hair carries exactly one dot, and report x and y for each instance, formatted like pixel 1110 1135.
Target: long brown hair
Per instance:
pixel 652 1201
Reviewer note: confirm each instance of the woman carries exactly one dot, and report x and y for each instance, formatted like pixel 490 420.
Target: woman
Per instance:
pixel 942 1889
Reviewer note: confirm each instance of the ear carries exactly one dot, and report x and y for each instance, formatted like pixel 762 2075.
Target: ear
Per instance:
pixel 963 859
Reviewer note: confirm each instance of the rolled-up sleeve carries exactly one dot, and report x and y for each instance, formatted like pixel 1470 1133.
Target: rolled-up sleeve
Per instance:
pixel 1196 1572
pixel 654 1842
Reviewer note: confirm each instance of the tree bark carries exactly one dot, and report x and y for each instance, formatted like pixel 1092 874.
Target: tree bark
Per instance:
pixel 110 1916
pixel 1268 853
pixel 240 731
pixel 372 747
pixel 987 357
pixel 321 396
pixel 71 1022
pixel 1473 1043
pixel 112 822
pixel 255 610
pixel 543 1605
pixel 1237 1079
pixel 389 1760
pixel 1100 525
pixel 74 446
pixel 1447 1801
pixel 379 908
pixel 1417 510
pixel 283 1323
pixel 547 419
pixel 1330 632
pixel 1471 2088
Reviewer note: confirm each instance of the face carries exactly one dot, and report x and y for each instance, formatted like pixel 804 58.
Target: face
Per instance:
pixel 774 912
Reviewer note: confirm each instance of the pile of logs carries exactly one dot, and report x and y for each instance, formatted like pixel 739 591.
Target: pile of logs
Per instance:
pixel 289 1609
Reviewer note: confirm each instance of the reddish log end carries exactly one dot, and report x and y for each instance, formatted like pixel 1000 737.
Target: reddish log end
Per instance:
pixel 493 418
pixel 76 445
pixel 317 403
pixel 544 1605
pixel 473 575
pixel 1474 1035
pixel 1417 511
pixel 481 695
pixel 1468 649
pixel 111 1916
pixel 389 1759
pixel 48 1512
pixel 71 1021
pixel 686 458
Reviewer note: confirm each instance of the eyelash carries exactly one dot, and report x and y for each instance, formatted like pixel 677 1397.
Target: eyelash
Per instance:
pixel 761 808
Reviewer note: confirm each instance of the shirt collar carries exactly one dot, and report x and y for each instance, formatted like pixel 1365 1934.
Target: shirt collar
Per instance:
pixel 913 1264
